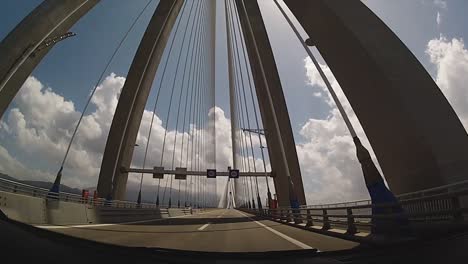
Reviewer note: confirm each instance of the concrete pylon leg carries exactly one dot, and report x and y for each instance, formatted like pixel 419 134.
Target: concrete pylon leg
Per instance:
pixel 18 51
pixel 418 139
pixel 274 84
pixel 123 132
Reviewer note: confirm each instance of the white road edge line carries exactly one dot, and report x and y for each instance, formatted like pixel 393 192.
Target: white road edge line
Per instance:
pixel 102 225
pixel 203 227
pixel 290 239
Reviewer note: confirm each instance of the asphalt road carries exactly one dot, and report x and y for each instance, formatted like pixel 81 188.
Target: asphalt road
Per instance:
pixel 220 230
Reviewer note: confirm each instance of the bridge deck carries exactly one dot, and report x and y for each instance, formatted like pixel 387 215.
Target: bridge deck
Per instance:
pixel 217 230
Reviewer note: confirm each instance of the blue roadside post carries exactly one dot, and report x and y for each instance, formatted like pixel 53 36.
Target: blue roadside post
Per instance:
pixel 54 191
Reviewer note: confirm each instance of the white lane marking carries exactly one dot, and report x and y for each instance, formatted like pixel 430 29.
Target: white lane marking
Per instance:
pixel 124 223
pixel 290 239
pixel 203 227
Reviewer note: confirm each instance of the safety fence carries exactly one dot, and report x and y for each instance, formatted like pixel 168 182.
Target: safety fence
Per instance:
pixel 25 189
pixel 424 211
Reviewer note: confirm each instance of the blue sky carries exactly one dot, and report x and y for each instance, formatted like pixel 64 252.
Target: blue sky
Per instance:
pixel 72 67
pixel 80 60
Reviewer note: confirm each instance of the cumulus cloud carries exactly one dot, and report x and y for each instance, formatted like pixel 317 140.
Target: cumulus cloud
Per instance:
pixel 330 169
pixel 328 163
pixel 11 166
pixel 451 59
pixel 41 124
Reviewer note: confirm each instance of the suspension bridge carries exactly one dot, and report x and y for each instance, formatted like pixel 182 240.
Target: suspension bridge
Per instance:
pixel 255 202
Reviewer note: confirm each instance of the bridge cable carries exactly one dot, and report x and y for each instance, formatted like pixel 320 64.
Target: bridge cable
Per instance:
pixel 231 92
pixel 322 74
pixel 192 76
pixel 185 107
pixel 195 18
pixel 207 91
pixel 246 164
pixel 157 97
pixel 241 109
pixel 251 85
pixel 246 107
pixel 166 126
pixel 201 131
pixel 194 114
pixel 93 91
pixel 178 110
pixel 292 195
pixel 189 82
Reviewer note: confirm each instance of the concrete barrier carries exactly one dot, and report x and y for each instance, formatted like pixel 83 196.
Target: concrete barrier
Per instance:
pixel 23 208
pixel 118 215
pixel 36 210
pixel 60 212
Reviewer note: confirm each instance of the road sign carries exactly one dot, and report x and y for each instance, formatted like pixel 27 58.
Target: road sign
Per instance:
pixel 181 174
pixel 234 174
pixel 211 173
pixel 158 173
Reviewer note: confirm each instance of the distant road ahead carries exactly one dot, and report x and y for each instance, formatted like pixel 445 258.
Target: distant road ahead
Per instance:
pixel 223 230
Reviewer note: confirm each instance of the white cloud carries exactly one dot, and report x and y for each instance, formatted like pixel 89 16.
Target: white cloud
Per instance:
pixel 439 18
pixel 10 166
pixel 330 169
pixel 451 60
pixel 41 123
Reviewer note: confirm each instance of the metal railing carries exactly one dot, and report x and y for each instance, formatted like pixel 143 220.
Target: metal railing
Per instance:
pixel 445 207
pixel 459 186
pixel 25 189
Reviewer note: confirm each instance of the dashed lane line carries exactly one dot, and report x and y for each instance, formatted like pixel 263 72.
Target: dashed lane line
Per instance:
pixel 203 227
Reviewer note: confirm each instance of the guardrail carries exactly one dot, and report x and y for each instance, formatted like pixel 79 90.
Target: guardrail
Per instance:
pixel 444 208
pixel 459 186
pixel 20 188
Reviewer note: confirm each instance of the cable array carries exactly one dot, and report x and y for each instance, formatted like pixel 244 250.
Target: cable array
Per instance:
pixel 248 189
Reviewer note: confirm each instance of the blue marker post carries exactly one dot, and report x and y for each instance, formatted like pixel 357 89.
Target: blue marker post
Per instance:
pixel 55 189
pixel 383 200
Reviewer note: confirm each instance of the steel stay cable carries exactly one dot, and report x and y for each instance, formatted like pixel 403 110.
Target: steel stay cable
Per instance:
pixel 192 117
pixel 170 105
pixel 185 107
pixel 322 74
pixel 110 60
pixel 245 164
pixel 191 83
pixel 232 81
pixel 157 98
pixel 248 122
pixel 249 75
pixel 292 195
pixel 241 121
pixel 195 18
pixel 202 157
pixel 180 99
pixel 201 120
pixel 245 100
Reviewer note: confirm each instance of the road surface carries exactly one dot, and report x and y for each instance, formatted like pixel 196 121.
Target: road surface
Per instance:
pixel 222 230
